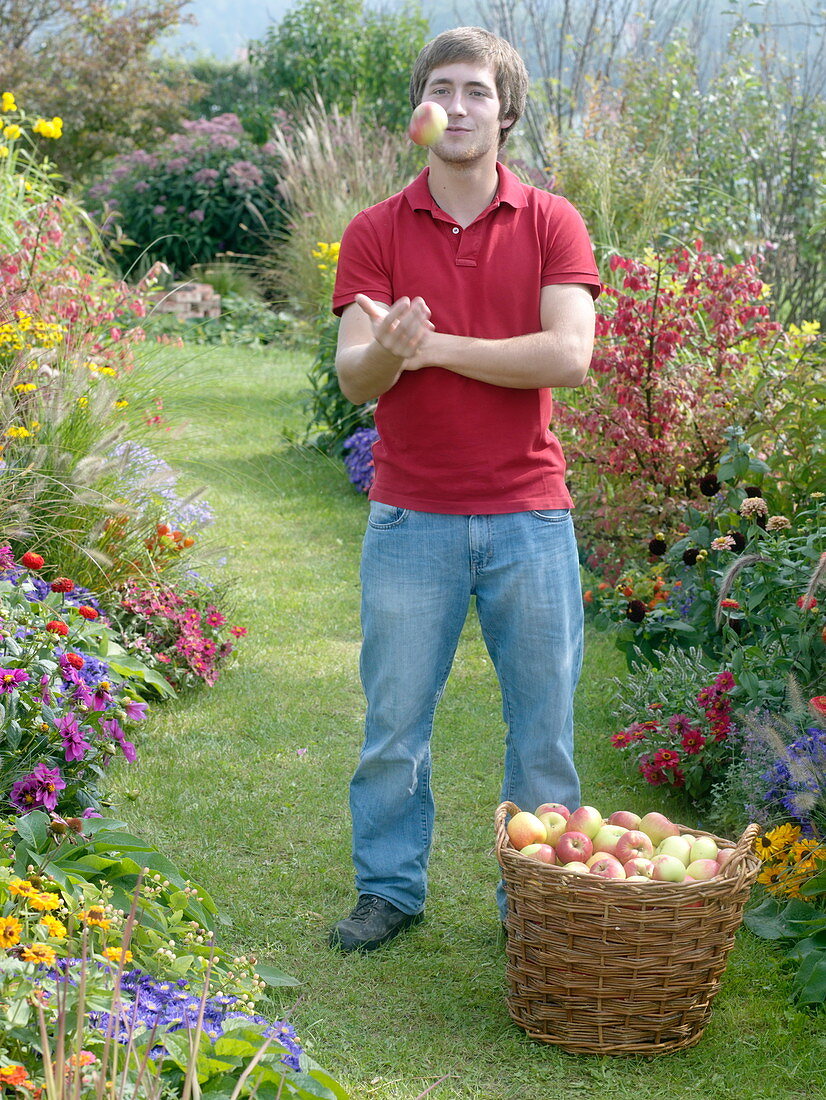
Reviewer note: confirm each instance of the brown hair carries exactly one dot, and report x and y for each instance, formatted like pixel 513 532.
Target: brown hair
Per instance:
pixel 481 47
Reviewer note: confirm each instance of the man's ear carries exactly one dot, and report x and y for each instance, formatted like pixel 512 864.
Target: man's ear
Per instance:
pixel 506 123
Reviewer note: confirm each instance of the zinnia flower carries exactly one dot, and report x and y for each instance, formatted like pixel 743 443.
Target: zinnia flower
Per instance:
pixel 10 678
pixel 754 508
pixel 777 523
pixel 32 561
pixel 657 546
pixel 723 542
pixel 87 612
pixel 691 555
pixel 62 584
pixel 57 627
pixel 635 611
pixel 38 953
pixel 10 930
pixel 709 485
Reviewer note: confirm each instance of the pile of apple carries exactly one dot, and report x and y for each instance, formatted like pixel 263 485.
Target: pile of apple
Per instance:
pixel 624 846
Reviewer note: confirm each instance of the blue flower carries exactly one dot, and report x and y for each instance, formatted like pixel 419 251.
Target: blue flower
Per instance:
pixel 358 458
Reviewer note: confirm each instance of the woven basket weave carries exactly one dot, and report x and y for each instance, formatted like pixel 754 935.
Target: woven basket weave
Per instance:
pixel 605 967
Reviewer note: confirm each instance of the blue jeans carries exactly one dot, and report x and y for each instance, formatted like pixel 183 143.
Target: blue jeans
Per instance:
pixel 419 570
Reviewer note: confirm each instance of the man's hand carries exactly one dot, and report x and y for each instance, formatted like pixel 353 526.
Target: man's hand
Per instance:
pixel 401 328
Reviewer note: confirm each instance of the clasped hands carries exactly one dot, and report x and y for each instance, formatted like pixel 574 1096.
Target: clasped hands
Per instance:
pixel 401 329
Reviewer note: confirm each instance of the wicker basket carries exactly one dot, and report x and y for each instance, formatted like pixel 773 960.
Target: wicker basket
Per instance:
pixel 603 967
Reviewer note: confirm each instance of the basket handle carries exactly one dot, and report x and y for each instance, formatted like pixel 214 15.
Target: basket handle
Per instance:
pixel 742 849
pixel 506 809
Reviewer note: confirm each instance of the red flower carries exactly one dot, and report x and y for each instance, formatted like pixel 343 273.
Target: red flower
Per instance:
pixel 730 605
pixel 238 631
pixel 87 612
pixel 57 627
pixel 807 605
pixel 588 596
pixel 62 584
pixel 32 561
pixel 666 758
pixel 692 742
pixel 623 738
pixel 818 703
pixel 75 660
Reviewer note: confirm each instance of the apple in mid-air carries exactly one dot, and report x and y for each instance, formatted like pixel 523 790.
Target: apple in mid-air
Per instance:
pixel 427 123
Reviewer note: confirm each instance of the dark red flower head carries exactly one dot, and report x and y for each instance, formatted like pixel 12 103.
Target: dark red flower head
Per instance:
pixel 753 490
pixel 657 547
pixel 739 540
pixel 709 485
pixel 62 584
pixel 57 627
pixel 690 556
pixel 635 611
pixel 87 612
pixel 32 560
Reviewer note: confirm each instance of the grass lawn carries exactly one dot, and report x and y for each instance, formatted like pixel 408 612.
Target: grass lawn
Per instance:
pixel 245 786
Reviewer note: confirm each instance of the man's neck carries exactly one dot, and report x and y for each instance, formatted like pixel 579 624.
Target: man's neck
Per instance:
pixel 463 190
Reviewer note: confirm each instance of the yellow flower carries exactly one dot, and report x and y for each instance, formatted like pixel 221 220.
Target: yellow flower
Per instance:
pixel 95 915
pixel 117 954
pixel 4 151
pixel 16 431
pixel 7 103
pixel 12 132
pixel 10 929
pixel 55 928
pixel 53 129
pixel 782 837
pixel 121 404
pixel 25 387
pixel 770 876
pixel 44 901
pixel 83 401
pixel 38 953
pixel 21 888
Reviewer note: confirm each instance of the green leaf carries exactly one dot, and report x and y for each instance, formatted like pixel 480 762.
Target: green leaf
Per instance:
pixel 130 668
pixel 809 984
pixel 764 921
pixel 274 977
pixel 32 828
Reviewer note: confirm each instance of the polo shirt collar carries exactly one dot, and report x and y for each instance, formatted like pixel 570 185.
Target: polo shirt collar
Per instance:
pixel 510 191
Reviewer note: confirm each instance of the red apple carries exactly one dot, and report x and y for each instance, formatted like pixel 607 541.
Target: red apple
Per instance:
pixel 657 827
pixel 627 818
pixel 427 123
pixel 724 856
pixel 633 843
pixel 638 867
pixel 555 825
pixel 543 853
pixel 525 828
pixel 574 847
pixel 702 869
pixel 585 819
pixel 605 866
pixel 552 807
pixel 667 869
pixel 676 846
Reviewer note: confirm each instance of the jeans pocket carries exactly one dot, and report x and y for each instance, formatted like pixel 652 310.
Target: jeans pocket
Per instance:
pixel 553 515
pixel 383 516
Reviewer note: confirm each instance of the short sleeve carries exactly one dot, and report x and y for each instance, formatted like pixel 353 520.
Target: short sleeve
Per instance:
pixel 568 254
pixel 362 268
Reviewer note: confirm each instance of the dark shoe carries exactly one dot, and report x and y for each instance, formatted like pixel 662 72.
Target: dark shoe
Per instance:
pixel 373 922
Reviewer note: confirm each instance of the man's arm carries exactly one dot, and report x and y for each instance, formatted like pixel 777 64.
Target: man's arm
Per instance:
pixel 559 355
pixel 376 344
pixel 374 341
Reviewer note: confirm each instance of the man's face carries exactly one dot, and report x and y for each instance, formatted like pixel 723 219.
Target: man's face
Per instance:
pixel 467 92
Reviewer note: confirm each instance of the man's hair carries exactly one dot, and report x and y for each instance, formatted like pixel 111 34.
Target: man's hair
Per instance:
pixel 481 47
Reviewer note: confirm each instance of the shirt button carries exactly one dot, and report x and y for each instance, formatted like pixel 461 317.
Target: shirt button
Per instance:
pixel 456 229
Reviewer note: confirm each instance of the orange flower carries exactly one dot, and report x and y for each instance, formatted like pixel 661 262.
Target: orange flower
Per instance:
pixel 10 929
pixel 16 1076
pixel 38 953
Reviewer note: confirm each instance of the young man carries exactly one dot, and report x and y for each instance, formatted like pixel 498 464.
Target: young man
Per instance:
pixel 464 300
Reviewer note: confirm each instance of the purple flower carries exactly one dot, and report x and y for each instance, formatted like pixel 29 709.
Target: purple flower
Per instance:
pixel 112 727
pixel 135 711
pixel 38 790
pixel 10 678
pixel 72 736
pixel 196 216
pixel 244 175
pixel 358 459
pixel 6 558
pixel 158 210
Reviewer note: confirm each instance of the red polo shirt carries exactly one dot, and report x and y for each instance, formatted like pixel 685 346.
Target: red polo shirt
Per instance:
pixel 448 443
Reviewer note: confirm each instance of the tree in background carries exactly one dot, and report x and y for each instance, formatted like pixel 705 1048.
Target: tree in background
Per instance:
pixel 90 63
pixel 341 53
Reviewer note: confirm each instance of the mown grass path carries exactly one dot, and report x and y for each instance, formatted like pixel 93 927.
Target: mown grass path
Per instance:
pixel 246 787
